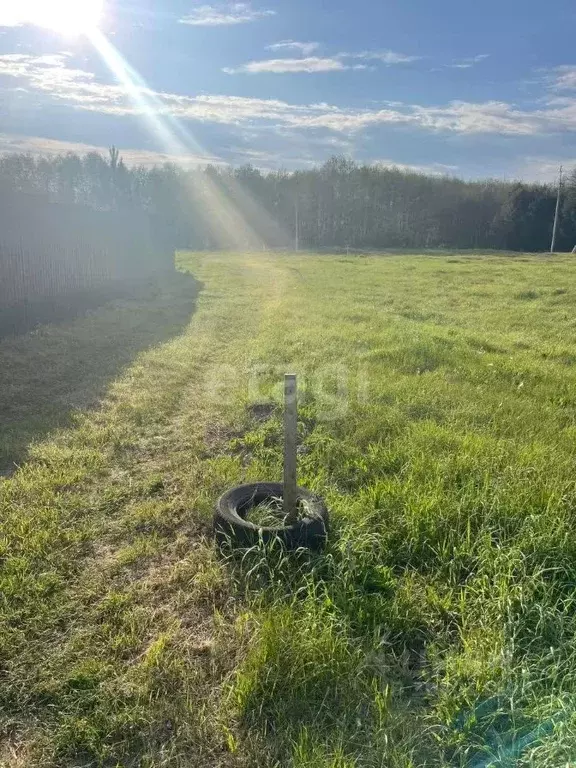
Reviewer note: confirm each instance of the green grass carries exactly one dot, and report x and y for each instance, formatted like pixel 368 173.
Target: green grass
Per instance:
pixel 437 419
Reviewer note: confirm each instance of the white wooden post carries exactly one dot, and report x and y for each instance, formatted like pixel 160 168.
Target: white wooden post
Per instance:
pixel 290 445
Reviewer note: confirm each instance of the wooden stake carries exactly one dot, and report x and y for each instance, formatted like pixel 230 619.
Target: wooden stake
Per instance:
pixel 290 445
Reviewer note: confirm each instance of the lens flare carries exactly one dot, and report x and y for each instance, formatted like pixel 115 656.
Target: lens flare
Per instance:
pixel 68 17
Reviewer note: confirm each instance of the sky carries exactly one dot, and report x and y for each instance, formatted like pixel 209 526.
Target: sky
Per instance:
pixel 458 87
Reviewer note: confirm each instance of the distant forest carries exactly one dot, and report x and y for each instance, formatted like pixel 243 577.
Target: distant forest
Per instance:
pixel 337 205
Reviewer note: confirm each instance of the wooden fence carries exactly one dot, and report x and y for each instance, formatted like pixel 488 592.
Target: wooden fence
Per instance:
pixel 50 250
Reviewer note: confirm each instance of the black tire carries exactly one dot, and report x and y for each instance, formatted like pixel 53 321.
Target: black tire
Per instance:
pixel 231 526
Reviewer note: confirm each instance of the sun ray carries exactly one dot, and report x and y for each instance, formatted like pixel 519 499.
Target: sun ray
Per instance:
pixel 229 227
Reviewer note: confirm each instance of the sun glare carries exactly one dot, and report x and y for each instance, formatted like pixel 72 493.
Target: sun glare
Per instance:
pixel 69 17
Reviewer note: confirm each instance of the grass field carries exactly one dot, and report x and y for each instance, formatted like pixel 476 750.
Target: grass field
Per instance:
pixel 438 420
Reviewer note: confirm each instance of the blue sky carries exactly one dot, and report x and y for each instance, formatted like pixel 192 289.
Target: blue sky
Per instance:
pixel 466 88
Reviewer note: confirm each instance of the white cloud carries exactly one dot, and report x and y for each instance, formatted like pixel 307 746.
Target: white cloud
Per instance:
pixel 542 169
pixel 309 64
pixel 268 160
pixel 486 117
pixel 51 75
pixel 225 15
pixel 292 45
pixel 282 66
pixel 40 146
pixel 55 79
pixel 430 169
pixel 386 57
pixel 565 78
pixel 469 62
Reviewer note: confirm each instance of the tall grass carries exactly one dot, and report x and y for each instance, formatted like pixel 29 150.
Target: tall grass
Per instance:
pixel 438 421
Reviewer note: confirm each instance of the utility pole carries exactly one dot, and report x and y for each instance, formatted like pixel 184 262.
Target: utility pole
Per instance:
pixel 556 213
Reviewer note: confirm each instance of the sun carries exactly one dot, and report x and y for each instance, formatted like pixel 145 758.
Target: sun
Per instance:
pixel 68 17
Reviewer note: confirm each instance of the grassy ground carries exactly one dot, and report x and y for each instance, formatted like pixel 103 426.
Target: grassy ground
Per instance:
pixel 438 420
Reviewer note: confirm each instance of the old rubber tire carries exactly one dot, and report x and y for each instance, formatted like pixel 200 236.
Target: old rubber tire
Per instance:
pixel 232 527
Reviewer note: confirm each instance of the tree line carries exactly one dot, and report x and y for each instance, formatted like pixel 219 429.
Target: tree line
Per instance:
pixel 336 205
